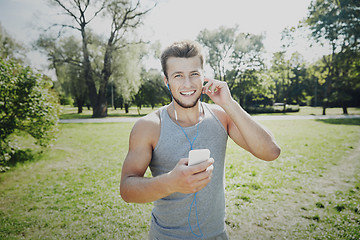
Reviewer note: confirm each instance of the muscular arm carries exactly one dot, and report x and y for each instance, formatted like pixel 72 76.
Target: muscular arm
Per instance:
pixel 249 134
pixel 245 132
pixel 134 187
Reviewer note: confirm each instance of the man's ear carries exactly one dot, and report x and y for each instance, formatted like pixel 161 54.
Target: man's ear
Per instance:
pixel 166 82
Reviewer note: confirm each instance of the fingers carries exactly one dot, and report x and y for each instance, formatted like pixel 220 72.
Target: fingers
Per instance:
pixel 204 175
pixel 200 180
pixel 212 85
pixel 191 179
pixel 183 161
pixel 202 171
pixel 201 166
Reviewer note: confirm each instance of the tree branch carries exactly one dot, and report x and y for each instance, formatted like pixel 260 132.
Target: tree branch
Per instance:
pixel 97 12
pixel 67 10
pixel 66 25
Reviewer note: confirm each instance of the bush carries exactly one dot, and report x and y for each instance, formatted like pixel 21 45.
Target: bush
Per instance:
pixel 27 104
pixel 276 108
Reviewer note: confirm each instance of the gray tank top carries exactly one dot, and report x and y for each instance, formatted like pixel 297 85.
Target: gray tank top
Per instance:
pixel 169 218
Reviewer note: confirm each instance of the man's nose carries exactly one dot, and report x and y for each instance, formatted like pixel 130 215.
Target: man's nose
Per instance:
pixel 187 82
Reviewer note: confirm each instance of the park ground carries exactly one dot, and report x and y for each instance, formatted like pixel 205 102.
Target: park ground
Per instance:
pixel 68 112
pixel 71 189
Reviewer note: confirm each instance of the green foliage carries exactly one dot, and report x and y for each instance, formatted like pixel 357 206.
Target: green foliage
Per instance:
pixel 65 57
pixel 237 59
pixel 346 87
pixel 152 90
pixel 126 71
pixel 337 21
pixel 9 48
pixel 337 24
pixel 98 57
pixel 27 103
pixel 289 78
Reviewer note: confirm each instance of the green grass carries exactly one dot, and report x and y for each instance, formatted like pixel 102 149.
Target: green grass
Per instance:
pixel 68 112
pixel 71 112
pixel 71 191
pixel 278 200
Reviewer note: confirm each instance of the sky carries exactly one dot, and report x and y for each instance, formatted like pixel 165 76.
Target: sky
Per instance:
pixel 174 20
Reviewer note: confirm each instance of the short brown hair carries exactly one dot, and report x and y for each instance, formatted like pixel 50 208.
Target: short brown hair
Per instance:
pixel 183 49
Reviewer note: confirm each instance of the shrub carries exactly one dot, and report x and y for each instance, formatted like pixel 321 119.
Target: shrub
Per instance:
pixel 27 104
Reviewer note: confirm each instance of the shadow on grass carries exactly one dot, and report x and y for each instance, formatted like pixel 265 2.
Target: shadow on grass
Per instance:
pixel 352 121
pixel 22 156
pixel 87 116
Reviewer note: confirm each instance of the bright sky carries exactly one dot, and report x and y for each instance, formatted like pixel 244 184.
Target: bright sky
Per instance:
pixel 174 20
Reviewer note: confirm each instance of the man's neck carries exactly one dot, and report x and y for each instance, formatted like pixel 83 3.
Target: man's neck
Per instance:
pixel 186 117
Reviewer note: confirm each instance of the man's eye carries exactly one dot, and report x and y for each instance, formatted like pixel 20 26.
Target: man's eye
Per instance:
pixel 177 76
pixel 195 74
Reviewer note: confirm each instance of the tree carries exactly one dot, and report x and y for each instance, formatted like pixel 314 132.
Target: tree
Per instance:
pixel 337 23
pixel 235 58
pixel 219 44
pixel 65 58
pixel 279 72
pixel 9 48
pixel 27 104
pixel 288 76
pixel 297 68
pixel 126 77
pixel 152 90
pixel 124 16
pixel 346 88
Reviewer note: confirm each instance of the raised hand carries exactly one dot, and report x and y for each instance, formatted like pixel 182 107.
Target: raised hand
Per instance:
pixel 218 91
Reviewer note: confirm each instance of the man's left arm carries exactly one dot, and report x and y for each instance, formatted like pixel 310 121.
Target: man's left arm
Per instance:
pixel 245 132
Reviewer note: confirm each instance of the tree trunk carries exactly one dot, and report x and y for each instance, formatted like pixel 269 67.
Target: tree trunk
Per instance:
pixel 345 111
pixel 80 104
pixel 80 109
pixel 88 74
pixel 100 109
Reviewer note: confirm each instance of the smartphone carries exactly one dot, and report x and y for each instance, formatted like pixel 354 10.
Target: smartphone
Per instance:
pixel 198 155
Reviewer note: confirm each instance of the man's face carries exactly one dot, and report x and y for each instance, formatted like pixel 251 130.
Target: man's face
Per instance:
pixel 185 77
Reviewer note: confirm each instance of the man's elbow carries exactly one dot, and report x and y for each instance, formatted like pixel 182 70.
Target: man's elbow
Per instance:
pixel 273 153
pixel 124 194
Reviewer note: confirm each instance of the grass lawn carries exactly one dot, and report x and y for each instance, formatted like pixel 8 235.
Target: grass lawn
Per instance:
pixel 71 112
pixel 71 191
pixel 68 112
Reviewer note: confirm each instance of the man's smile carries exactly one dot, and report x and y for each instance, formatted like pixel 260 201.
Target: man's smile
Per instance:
pixel 187 93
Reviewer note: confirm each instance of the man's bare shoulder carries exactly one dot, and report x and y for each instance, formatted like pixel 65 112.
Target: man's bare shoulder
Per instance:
pixel 147 128
pixel 150 120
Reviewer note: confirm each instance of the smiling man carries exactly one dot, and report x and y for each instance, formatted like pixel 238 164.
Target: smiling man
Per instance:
pixel 189 201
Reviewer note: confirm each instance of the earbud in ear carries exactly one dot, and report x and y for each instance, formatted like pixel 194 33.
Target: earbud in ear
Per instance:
pixel 168 86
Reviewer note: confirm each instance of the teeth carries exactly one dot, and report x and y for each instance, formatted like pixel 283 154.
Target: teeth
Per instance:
pixel 188 93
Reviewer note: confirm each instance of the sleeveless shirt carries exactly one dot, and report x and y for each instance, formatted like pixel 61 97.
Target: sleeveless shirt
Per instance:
pixel 169 218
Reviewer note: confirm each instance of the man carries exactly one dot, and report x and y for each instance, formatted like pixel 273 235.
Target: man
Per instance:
pixel 189 200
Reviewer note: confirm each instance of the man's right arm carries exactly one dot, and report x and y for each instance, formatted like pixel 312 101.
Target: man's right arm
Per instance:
pixel 134 187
